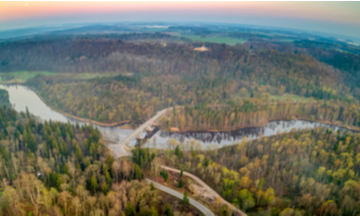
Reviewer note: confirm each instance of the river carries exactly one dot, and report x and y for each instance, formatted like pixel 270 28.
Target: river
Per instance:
pixel 21 97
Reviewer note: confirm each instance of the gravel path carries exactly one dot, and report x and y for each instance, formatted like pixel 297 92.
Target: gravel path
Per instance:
pixel 209 189
pixel 179 195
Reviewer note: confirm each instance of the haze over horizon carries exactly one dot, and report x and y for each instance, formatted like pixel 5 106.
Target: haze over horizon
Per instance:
pixel 340 18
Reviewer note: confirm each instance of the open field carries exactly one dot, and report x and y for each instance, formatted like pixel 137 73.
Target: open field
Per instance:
pixel 238 96
pixel 214 39
pixel 284 97
pixel 21 76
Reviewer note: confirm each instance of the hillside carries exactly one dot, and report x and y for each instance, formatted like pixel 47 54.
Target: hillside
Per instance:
pixel 150 76
pixel 308 172
pixel 52 168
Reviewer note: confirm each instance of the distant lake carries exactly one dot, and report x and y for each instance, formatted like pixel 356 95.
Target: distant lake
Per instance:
pixel 21 97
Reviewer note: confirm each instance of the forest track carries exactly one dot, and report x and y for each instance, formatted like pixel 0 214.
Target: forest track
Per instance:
pixel 208 188
pixel 179 195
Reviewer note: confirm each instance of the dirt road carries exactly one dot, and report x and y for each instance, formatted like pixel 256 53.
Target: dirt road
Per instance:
pixel 208 188
pixel 179 195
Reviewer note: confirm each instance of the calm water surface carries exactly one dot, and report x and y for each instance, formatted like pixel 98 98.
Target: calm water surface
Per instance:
pixel 22 97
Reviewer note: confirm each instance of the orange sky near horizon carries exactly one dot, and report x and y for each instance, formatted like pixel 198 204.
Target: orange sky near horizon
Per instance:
pixel 324 11
pixel 332 17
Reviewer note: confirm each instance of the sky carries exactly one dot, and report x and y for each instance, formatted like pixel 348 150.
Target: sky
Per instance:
pixel 342 18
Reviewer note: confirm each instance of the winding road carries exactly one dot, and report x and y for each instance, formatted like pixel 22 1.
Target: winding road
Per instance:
pixel 121 149
pixel 179 195
pixel 209 189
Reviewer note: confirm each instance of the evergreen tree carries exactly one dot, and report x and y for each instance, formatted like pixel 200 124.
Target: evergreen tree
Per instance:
pixel 181 183
pixel 153 211
pixel 108 178
pixel 186 200
pixel 152 187
pixel 32 145
pixel 165 175
pixel 78 153
pixel 178 152
pixel 105 188
pixel 168 210
pixel 27 113
pixel 66 169
pixel 129 210
pixel 224 210
pixel 55 145
pixel 93 183
pixel 137 172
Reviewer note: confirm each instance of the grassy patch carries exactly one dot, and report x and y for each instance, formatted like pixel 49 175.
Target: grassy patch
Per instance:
pixel 83 76
pixel 215 39
pixel 238 95
pixel 20 77
pixel 286 96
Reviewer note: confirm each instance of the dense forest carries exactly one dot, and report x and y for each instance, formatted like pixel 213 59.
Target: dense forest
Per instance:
pixel 150 75
pixel 308 172
pixel 339 54
pixel 51 168
pixel 164 76
pixel 254 112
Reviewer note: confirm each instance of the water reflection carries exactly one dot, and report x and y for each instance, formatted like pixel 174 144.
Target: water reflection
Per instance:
pixel 214 137
pixel 232 137
pixel 22 97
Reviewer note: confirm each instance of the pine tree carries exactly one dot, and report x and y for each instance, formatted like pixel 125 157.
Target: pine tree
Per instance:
pixel 168 210
pixel 224 210
pixel 78 153
pixel 181 183
pixel 109 160
pixel 32 145
pixel 27 112
pixel 129 211
pixel 153 211
pixel 137 172
pixel 55 145
pixel 66 169
pixel 186 200
pixel 93 183
pixel 105 188
pixel 108 177
pixel 152 187
pixel 178 152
